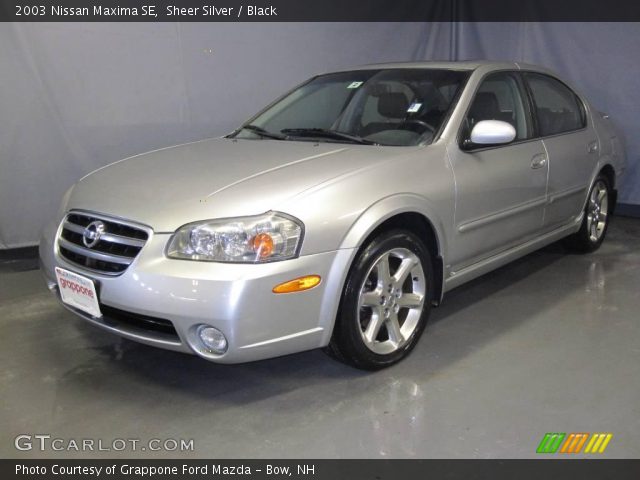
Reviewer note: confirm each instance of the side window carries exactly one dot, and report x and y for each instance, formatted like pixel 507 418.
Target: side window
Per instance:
pixel 557 108
pixel 500 98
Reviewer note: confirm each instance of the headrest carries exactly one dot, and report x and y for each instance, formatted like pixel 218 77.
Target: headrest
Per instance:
pixel 485 106
pixel 393 105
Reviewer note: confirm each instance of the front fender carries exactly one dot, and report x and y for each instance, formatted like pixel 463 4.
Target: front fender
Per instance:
pixel 389 207
pixel 350 244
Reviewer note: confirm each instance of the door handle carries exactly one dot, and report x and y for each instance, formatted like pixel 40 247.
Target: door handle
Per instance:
pixel 538 161
pixel 592 147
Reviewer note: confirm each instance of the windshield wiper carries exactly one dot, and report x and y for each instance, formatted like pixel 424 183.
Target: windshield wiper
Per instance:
pixel 325 132
pixel 263 133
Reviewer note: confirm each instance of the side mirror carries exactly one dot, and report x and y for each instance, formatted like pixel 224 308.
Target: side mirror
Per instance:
pixel 492 132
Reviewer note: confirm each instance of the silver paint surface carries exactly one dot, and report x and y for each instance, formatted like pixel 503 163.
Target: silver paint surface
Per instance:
pixel 487 207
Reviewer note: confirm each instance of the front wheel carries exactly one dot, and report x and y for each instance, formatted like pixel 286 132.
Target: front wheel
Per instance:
pixel 386 302
pixel 596 218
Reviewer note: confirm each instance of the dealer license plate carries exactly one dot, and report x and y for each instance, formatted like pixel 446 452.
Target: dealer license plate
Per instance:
pixel 78 292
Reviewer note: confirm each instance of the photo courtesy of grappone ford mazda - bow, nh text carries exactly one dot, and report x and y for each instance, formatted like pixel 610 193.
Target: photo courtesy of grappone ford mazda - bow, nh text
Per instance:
pixel 338 216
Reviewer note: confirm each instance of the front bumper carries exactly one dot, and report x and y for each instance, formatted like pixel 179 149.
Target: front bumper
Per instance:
pixel 236 299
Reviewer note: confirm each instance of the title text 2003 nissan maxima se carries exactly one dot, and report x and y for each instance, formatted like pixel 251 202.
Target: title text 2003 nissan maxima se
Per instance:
pixel 339 215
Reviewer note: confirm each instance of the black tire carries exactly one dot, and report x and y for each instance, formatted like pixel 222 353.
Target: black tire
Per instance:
pixel 584 240
pixel 347 342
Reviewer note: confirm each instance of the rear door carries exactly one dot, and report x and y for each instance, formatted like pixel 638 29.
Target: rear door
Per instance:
pixel 500 190
pixel 571 143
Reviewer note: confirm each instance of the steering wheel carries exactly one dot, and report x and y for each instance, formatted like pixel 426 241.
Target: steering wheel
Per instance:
pixel 418 123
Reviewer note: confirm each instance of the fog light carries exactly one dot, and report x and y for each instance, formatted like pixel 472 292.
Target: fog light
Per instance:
pixel 213 339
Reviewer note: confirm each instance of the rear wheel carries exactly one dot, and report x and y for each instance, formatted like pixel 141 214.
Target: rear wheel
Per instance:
pixel 596 218
pixel 385 303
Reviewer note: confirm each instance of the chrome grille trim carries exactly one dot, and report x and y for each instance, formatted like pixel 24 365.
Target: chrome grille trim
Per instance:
pixel 107 237
pixel 93 254
pixel 118 246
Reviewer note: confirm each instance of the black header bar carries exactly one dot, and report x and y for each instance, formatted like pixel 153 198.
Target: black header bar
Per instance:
pixel 319 10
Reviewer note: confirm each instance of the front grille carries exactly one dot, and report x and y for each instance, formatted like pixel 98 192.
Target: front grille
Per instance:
pixel 117 247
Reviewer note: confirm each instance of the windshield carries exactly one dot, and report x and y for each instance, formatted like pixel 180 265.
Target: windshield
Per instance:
pixel 385 107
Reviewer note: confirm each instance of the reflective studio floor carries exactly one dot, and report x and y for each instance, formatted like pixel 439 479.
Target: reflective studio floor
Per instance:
pixel 550 343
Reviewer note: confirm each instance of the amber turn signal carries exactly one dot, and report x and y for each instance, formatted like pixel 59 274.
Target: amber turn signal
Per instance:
pixel 263 245
pixel 297 284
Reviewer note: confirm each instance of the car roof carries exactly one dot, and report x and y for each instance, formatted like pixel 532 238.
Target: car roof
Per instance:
pixel 460 65
pixel 467 65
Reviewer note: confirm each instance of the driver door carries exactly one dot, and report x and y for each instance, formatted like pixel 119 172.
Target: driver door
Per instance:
pixel 501 189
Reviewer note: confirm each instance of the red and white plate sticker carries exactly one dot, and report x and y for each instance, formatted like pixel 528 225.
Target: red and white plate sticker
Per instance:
pixel 78 292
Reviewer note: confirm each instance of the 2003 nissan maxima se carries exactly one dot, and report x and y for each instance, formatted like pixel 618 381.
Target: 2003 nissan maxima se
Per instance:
pixel 339 215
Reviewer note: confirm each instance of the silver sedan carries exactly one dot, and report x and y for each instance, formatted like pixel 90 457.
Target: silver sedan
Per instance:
pixel 339 215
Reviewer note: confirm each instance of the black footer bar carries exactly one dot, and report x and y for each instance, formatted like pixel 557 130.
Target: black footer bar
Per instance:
pixel 323 469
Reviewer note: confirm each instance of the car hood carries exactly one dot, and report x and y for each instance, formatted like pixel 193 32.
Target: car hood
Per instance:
pixel 216 178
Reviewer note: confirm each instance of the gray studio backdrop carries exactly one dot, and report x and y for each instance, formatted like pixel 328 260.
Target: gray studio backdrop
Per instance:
pixel 74 97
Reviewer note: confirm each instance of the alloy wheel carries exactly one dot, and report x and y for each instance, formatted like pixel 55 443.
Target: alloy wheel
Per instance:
pixel 597 211
pixel 391 301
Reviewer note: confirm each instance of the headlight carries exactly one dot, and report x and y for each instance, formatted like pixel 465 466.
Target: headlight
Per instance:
pixel 264 238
